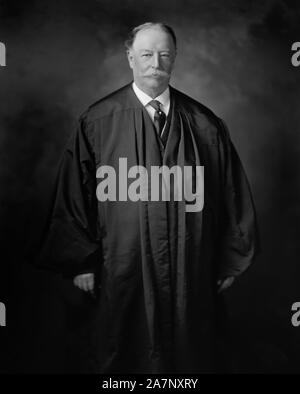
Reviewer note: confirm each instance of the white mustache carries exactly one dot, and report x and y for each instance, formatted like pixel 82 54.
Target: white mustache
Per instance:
pixel 159 73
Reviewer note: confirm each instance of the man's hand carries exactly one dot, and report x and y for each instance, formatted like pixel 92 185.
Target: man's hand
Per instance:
pixel 85 282
pixel 223 284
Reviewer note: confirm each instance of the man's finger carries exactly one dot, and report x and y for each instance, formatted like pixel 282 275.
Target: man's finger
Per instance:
pixel 227 282
pixel 79 283
pixel 221 287
pixel 90 283
pixel 84 282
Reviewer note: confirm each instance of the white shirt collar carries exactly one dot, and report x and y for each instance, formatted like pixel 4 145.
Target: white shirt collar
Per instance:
pixel 163 98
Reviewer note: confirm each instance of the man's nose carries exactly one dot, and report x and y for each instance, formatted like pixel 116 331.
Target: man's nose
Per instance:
pixel 155 60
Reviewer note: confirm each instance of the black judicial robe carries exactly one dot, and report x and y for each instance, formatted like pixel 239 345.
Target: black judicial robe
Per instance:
pixel 157 264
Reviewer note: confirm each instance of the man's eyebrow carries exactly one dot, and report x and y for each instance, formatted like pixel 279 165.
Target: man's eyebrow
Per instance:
pixel 150 50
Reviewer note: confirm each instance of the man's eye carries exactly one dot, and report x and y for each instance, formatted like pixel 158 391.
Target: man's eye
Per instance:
pixel 165 55
pixel 146 55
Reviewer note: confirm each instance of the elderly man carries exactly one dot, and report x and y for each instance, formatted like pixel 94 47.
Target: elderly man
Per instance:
pixel 160 266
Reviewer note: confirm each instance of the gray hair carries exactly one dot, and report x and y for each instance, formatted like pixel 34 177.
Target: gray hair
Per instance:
pixel 135 30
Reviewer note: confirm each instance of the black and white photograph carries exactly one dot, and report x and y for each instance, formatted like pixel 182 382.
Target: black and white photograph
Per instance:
pixel 150 192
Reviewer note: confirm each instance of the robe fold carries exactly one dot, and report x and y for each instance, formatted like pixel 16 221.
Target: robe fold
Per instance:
pixel 158 264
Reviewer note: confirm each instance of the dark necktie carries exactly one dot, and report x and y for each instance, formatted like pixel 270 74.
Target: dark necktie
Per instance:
pixel 159 116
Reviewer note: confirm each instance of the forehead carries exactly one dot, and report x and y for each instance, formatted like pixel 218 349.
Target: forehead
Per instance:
pixel 153 38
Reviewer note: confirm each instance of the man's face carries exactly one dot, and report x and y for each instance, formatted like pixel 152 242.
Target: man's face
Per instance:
pixel 152 58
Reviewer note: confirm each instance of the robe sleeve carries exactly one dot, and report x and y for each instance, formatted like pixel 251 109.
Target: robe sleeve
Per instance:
pixel 72 243
pixel 239 238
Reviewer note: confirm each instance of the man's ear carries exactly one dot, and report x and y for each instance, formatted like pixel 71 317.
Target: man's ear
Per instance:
pixel 174 58
pixel 129 57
